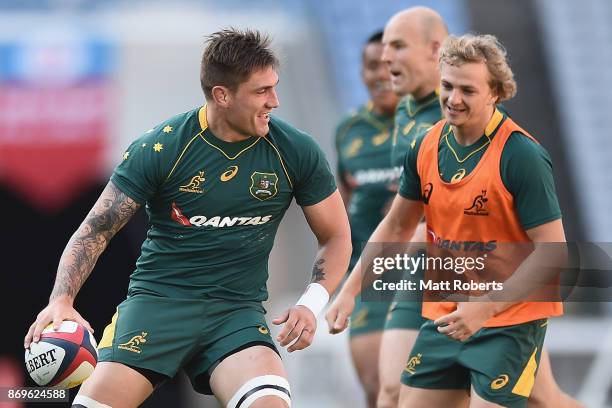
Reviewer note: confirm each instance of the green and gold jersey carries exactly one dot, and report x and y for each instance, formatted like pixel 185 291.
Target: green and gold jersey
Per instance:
pixel 525 169
pixel 412 118
pixel 363 146
pixel 214 206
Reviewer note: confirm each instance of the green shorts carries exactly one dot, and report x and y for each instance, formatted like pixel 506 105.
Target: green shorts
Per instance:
pixel 405 311
pixel 368 317
pixel 165 335
pixel 500 363
pixel 404 315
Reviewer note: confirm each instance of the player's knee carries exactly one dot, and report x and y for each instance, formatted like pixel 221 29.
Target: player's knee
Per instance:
pixel 266 391
pixel 389 391
pixel 386 400
pixel 404 399
pixel 81 401
pixel 370 383
pixel 371 392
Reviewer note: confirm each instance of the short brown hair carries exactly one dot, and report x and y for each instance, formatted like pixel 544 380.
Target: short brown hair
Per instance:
pixel 482 48
pixel 232 56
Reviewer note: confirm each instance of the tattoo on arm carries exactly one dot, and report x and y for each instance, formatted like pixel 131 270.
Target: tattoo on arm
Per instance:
pixel 108 215
pixel 318 274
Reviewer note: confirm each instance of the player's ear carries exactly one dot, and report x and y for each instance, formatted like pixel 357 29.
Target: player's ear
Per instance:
pixel 435 50
pixel 493 97
pixel 220 95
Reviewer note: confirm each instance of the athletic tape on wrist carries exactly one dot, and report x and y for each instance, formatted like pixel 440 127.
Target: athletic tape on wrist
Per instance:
pixel 84 401
pixel 315 298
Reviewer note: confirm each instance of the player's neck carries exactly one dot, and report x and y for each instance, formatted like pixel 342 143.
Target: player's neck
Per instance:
pixel 221 128
pixel 382 111
pixel 422 93
pixel 468 134
pixel 426 89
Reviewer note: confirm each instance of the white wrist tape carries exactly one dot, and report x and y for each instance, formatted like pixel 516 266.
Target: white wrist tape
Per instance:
pixel 84 401
pixel 315 298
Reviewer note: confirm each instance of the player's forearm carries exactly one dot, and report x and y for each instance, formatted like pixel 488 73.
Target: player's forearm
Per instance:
pixel 110 213
pixel 535 278
pixel 386 232
pixel 331 262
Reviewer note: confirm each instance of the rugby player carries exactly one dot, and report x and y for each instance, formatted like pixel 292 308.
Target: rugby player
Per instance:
pixel 476 145
pixel 363 146
pixel 215 182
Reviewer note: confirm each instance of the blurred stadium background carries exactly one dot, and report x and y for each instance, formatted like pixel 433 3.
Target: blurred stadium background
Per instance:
pixel 79 79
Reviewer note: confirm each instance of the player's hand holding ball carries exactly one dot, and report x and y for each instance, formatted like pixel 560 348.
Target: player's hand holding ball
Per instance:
pixel 300 323
pixel 61 354
pixel 58 310
pixel 62 358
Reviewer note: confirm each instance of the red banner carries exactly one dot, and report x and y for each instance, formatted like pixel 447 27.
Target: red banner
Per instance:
pixel 52 139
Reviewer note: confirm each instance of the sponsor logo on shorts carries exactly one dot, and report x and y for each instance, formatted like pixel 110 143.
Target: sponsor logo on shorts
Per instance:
pixel 500 382
pixel 412 363
pixel 194 185
pixel 134 343
pixel 478 205
pixel 361 319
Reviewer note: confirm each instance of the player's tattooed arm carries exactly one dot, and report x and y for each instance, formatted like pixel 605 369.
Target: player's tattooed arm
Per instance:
pixel 329 223
pixel 318 272
pixel 108 215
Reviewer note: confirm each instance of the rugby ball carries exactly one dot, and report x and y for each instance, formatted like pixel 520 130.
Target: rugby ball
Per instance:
pixel 62 358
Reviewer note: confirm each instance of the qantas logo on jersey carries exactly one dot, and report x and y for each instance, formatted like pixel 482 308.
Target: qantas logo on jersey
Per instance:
pixel 444 243
pixel 216 221
pixel 374 176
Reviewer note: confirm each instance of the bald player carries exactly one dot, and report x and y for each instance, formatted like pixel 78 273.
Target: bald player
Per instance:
pixel 412 39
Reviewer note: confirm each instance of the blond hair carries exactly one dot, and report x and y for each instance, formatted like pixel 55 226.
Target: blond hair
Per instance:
pixel 482 48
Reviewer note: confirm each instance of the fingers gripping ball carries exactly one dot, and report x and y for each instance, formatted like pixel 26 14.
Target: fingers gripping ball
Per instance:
pixel 63 358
